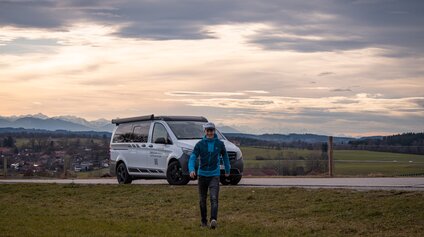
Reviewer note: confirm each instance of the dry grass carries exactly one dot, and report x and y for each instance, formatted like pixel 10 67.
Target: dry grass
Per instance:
pixel 162 210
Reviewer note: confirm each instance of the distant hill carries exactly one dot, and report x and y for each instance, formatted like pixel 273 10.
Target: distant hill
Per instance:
pixel 404 139
pixel 292 137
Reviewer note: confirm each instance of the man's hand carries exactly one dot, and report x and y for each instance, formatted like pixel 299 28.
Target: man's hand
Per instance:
pixel 227 175
pixel 192 174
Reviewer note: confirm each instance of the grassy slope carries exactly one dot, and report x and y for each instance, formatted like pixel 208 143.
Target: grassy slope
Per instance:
pixel 162 210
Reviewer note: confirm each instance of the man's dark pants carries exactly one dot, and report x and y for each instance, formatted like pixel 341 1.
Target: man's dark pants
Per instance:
pixel 211 183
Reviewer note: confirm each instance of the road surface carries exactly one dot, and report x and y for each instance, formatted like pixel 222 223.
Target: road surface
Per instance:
pixel 410 183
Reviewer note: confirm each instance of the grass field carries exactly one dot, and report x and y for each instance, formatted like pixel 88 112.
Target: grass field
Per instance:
pixel 347 162
pixel 162 210
pixel 91 174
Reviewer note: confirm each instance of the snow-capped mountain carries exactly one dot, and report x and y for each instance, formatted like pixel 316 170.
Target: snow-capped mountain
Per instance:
pixel 67 122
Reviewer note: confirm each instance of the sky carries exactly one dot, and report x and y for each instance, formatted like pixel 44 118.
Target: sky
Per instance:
pixel 327 66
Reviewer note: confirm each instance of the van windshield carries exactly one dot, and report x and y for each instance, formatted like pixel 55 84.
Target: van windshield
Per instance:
pixel 189 129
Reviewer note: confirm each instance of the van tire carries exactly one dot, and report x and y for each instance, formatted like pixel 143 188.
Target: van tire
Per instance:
pixel 225 180
pixel 235 180
pixel 174 174
pixel 122 174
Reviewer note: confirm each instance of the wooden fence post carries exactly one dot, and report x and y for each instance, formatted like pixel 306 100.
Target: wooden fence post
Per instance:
pixel 330 156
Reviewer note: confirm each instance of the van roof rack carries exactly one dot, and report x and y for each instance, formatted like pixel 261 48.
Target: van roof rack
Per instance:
pixel 118 121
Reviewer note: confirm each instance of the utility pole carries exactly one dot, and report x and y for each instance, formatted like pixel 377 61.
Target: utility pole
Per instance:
pixel 330 156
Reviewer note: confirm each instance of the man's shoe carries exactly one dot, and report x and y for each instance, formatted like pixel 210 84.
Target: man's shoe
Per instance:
pixel 204 224
pixel 213 224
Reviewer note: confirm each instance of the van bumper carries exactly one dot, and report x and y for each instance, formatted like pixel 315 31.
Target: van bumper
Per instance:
pixel 184 163
pixel 237 167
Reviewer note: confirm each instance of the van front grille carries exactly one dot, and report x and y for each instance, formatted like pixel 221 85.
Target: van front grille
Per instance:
pixel 232 155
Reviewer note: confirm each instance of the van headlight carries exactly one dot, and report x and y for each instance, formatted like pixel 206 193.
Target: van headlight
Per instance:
pixel 239 155
pixel 187 151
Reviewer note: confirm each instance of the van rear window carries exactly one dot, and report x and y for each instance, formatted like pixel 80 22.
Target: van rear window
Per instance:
pixel 141 132
pixel 130 132
pixel 123 133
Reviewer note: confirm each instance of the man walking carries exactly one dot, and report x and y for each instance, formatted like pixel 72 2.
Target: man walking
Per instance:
pixel 210 149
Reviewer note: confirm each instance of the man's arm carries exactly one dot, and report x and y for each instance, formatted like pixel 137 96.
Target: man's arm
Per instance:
pixel 225 159
pixel 192 159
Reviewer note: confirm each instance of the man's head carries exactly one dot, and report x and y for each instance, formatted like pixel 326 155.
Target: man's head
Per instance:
pixel 209 129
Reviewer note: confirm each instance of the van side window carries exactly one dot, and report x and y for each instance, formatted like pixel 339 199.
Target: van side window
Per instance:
pixel 159 132
pixel 123 133
pixel 141 132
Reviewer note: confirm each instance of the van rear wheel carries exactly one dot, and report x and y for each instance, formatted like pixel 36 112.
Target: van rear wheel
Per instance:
pixel 122 174
pixel 174 174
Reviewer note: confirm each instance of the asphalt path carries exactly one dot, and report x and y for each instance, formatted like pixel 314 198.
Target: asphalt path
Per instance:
pixel 409 183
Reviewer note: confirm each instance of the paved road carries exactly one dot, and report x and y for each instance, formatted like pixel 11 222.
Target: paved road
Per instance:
pixel 351 183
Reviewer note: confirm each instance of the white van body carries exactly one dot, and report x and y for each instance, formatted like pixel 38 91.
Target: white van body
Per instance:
pixel 151 146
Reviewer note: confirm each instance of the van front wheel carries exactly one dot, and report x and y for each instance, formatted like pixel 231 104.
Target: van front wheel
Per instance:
pixel 174 174
pixel 235 180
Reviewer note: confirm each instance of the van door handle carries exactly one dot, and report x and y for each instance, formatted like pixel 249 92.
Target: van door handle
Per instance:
pixel 150 145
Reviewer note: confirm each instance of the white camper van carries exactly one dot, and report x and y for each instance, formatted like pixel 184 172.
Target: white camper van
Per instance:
pixel 152 147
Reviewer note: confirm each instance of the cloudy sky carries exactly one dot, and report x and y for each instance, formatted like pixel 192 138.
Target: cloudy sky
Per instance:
pixel 329 67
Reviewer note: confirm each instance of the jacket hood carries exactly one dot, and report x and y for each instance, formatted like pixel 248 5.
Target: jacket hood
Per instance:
pixel 215 137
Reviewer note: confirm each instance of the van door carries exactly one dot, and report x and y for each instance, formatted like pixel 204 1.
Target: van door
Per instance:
pixel 140 135
pixel 160 147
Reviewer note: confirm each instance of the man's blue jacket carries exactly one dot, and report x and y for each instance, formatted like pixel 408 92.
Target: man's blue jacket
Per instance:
pixel 210 150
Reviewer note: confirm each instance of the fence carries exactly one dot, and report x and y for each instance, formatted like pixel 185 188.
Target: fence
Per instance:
pixel 285 161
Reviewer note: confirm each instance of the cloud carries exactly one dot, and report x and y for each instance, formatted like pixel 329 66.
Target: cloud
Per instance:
pixel 308 26
pixel 341 90
pixel 358 103
pixel 257 91
pixel 201 93
pixel 325 74
pixel 275 66
pixel 361 113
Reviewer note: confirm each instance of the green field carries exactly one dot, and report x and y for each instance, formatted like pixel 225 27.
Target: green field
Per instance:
pixel 347 162
pixel 163 210
pixel 90 174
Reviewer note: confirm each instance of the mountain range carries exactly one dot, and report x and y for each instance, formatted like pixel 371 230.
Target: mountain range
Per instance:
pixel 67 122
pixel 41 121
pixel 73 123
